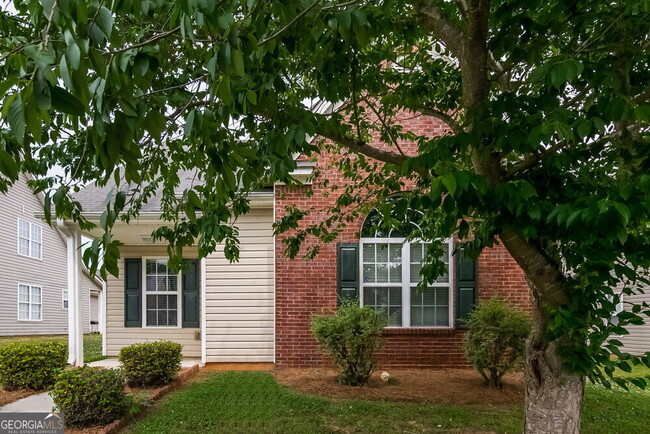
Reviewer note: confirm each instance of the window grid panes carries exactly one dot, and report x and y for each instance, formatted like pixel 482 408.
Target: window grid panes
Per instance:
pixel 391 272
pixel 382 263
pixel 162 293
pixel 29 303
pixel 418 255
pixel 30 238
pixel 430 307
pixel 65 299
pixel 387 301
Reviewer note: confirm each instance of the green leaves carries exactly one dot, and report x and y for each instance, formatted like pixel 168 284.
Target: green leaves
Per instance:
pixel 557 72
pixel 565 72
pixel 9 167
pixel 16 117
pixel 102 27
pixel 64 101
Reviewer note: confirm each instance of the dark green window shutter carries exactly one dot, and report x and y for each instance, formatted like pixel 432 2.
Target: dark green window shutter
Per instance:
pixel 465 287
pixel 133 292
pixel 191 293
pixel 348 271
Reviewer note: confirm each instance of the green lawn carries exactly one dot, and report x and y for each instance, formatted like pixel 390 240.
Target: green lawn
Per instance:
pixel 92 343
pixel 253 401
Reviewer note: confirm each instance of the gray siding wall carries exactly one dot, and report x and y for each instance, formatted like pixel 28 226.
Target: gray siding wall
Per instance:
pixel 50 272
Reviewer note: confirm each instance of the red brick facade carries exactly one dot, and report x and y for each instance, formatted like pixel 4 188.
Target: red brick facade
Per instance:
pixel 305 287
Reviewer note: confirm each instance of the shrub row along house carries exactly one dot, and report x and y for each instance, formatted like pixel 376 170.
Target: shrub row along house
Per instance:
pixel 258 310
pixel 34 293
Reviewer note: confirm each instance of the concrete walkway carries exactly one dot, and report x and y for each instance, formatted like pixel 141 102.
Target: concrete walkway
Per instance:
pixel 41 403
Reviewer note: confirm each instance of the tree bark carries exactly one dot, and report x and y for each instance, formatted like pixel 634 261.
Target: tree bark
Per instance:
pixel 553 402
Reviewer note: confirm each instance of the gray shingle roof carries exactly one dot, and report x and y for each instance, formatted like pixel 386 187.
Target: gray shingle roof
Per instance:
pixel 93 198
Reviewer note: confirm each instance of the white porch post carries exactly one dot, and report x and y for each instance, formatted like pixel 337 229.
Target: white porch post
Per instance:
pixel 102 317
pixel 204 338
pixel 75 316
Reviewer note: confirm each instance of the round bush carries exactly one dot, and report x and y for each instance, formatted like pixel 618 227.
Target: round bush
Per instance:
pixel 351 337
pixel 90 396
pixel 495 339
pixel 31 365
pixel 151 363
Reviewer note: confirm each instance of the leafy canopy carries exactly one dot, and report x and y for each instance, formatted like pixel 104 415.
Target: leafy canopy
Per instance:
pixel 547 104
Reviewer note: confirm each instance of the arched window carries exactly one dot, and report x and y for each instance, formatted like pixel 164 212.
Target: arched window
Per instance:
pixel 390 273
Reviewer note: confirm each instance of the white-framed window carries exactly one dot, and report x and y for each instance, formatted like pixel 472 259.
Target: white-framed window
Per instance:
pixel 390 270
pixel 390 274
pixel 162 294
pixel 30 239
pixel 30 302
pixel 65 299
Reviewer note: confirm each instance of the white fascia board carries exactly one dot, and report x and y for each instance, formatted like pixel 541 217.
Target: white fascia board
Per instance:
pixel 303 173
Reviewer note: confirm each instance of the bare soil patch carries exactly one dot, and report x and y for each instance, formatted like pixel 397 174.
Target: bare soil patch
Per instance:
pixel 9 396
pixel 450 386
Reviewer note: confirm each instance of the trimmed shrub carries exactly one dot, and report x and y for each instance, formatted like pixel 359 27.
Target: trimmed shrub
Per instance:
pixel 495 339
pixel 350 337
pixel 31 365
pixel 90 396
pixel 151 363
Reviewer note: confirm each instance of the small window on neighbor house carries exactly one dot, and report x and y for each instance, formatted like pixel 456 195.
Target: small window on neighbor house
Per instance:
pixel 618 309
pixel 65 299
pixel 162 294
pixel 30 303
pixel 30 239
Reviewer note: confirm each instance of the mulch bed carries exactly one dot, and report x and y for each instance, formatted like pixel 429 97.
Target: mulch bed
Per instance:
pixel 9 396
pixel 449 386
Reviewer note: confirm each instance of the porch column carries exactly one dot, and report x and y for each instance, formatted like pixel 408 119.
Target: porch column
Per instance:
pixel 75 311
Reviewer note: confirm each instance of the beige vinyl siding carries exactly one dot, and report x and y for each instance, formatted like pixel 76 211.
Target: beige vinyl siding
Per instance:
pixel 118 336
pixel 239 296
pixel 50 272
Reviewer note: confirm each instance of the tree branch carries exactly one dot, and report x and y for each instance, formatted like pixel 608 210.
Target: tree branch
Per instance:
pixel 362 147
pixel 287 25
pixel 440 25
pixel 446 118
pixel 155 38
pixel 533 160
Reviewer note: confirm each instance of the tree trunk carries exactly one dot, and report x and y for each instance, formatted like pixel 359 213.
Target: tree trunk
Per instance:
pixel 553 395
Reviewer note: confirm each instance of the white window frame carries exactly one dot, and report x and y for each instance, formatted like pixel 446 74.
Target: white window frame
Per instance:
pixel 406 283
pixel 65 297
pixel 29 302
pixel 30 241
pixel 179 293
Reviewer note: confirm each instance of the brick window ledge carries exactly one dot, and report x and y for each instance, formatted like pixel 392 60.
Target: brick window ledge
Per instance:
pixel 392 331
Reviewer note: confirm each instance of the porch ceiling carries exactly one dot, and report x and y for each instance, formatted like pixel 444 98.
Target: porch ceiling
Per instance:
pixel 134 233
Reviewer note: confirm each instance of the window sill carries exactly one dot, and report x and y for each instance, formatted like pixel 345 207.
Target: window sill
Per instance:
pixel 392 331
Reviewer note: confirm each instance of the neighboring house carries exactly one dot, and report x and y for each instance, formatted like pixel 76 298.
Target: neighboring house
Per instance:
pixel 258 310
pixel 637 342
pixel 34 292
